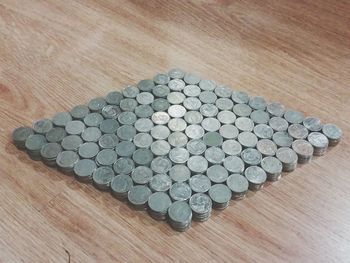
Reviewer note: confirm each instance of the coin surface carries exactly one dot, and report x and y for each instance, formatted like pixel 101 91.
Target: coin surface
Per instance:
pixel 247 139
pixel 121 185
pixel 160 132
pixel 130 92
pixel 71 142
pixel 234 164
pixel 200 183
pixel 123 165
pixel 214 155
pixel 161 91
pixel 93 119
pixel 251 156
pixel 242 110
pixel 42 126
pixel 176 97
pixel 212 139
pixel 56 134
pixel 223 91
pixel 226 117
pixel 179 155
pixel 220 195
pixel 84 169
pixel 238 184
pixel 201 206
pixel 231 147
pixel 88 150
pixel 125 148
pixel 196 146
pixel 160 118
pixel 161 79
pixel 138 196
pixel 303 149
pixel 278 124
pixel 180 191
pixel 142 125
pixel 160 147
pixel 158 203
pixel 257 103
pixel 288 158
pixel 217 174
pixel 179 173
pixel 333 133
pixel 176 73
pixel 193 117
pixel 160 104
pixel 209 110
pixel 263 131
pixel 256 177
pixel 97 104
pixel 176 84
pixel 110 111
pixel 108 141
pixel 109 126
pixel 79 112
pixel 114 97
pixel 106 157
pixel 142 156
pixel 293 116
pixel 211 124
pixel 224 104
pixel 60 119
pixel 146 85
pixel 176 111
pixel 91 134
pixel 266 147
pixel 192 91
pixel 160 183
pixel 144 98
pixel 143 140
pixel 244 124
pixel 273 168
pixel 75 127
pixel 141 175
pixel 276 109
pixel 127 132
pixel 197 164
pixel 313 124
pixel 20 135
pixel 260 117
pixel 282 139
pixel 192 103
pixel 207 97
pixel 240 97
pixel 177 125
pixel 228 131
pixel 297 131
pixel 319 142
pixel 161 165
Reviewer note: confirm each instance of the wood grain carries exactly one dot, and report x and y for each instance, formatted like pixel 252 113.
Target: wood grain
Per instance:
pixel 56 54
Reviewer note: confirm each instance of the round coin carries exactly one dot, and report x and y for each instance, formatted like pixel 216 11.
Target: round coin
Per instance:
pixel 238 185
pixel 180 191
pixel 179 173
pixel 141 175
pixel 88 150
pixel 200 183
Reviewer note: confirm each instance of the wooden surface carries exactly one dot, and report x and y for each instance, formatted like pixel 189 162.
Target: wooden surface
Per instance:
pixel 56 54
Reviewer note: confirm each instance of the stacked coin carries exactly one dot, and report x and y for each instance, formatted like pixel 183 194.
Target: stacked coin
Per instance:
pixel 33 145
pixel 138 196
pixel 319 142
pixel 288 158
pixel 201 205
pixel 20 135
pixel 304 150
pixel 238 185
pixel 180 216
pixel 49 153
pixel 120 186
pixel 158 204
pixel 66 160
pixel 333 133
pixel 220 195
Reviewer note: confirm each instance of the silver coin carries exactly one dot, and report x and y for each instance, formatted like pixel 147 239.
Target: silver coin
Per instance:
pixel 84 170
pixel 130 92
pixel 192 91
pixel 278 124
pixel 109 126
pixel 161 79
pixel 177 124
pixel 191 79
pixel 234 164
pixel 303 149
pixel 207 84
pixel 200 183
pixel 260 117
pixel 288 158
pixel 56 134
pixel 127 118
pixel 142 156
pixel 207 97
pixel 179 155
pixel 121 185
pixel 242 110
pixel 210 124
pixel 106 157
pixel 144 111
pixel 108 141
pixel 91 134
pixel 282 139
pixel 128 104
pixel 60 119
pixel 180 191
pixel 71 143
pixel 297 131
pixel 176 111
pixel 312 124
pixel 224 104
pixel 176 73
pixel 75 127
pixel 214 155
pixel 319 142
pixel 294 117
pixel 273 168
pixel 125 148
pixel 97 104
pixel 177 139
pixel 93 119
pixel 276 109
pixel 194 131
pixel 223 91
pixel 114 97
pixel 196 146
pixel 201 206
pixel 208 110
pixel 220 195
pixel 212 139
pixel 333 133
pixel 146 85
pixel 49 151
pixel 179 173
pixel 256 177
pixel 67 159
pixel 160 117
pixel 197 164
pixel 257 103
pixel 180 215
pixel 161 91
pixel 141 175
pixel 158 204
pixel 176 85
pixel 88 150
pixel 244 124
pixel 247 139
pixel 143 140
pixel 217 174
pixel 176 97
pixel 144 125
pixel 263 131
pixel 251 156
pixel 79 112
pixel 138 196
pixel 226 117
pixel 42 126
pixel 145 98
pixel 238 184
pixel 228 131
pixel 110 111
pixel 240 97
pixel 193 117
pixel 161 165
pixel 160 183
pixel 266 147
pixel 160 148
pixel 231 147
pixel 192 103
pixel 126 132
pixel 20 135
pixel 160 104
pixel 160 132
pixel 123 165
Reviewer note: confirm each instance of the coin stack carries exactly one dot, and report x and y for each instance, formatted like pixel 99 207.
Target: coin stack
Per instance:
pixel 180 216
pixel 158 204
pixel 66 160
pixel 49 153
pixel 20 135
pixel 304 150
pixel 220 195
pixel 319 142
pixel 201 206
pixel 288 158
pixel 33 145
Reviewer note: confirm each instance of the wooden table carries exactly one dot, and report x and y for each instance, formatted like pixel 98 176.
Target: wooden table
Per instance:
pixel 57 54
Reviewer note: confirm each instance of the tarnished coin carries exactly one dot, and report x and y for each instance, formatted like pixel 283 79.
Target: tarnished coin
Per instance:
pixel 256 177
pixel 214 155
pixel 160 183
pixel 197 164
pixel 176 97
pixel 88 150
pixel 160 147
pixel 143 140
pixel 223 91
pixel 247 139
pixel 288 158
pixel 179 155
pixel 278 124
pixel 108 141
pixel 160 117
pixel 207 84
pixel 234 164
pixel 303 149
pixel 180 191
pixel 141 175
pixel 192 91
pixel 176 84
pixel 97 104
pixel 313 124
pixel 161 79
pixel 240 97
pixel 244 124
pixel 297 131
pixel 177 125
pixel 207 97
pixel 212 139
pixel 93 119
pixel 120 186
pixel 79 112
pixel 144 125
pixel 276 109
pixel 260 117
pixel 176 73
pixel 161 165
pixel 200 183
pixel 226 117
pixel 211 124
pixel 177 139
pixel 75 127
pixel 130 92
pixel 128 104
pixel 106 157
pixel 110 111
pixel 161 91
pixel 333 133
pixel 242 110
pixel 109 126
pixel 126 132
pixel 263 131
pixel 224 104
pixel 319 142
pixel 220 195
pixel 20 135
pixel 293 116
pixel 191 79
pixel 251 156
pixel 273 168
pixel 201 205
pixel 176 111
pixel 180 216
pixel 158 205
pixel 142 156
pixel 179 173
pixel 160 132
pixel 196 146
pixel 138 196
pixel 209 110
pixel 84 169
pixel 228 131
pixel 66 160
pixel 266 147
pixel 91 134
pixel 238 185
pixel 160 104
pixel 231 147
pixel 42 126
pixel 194 131
pixel 49 153
pixel 56 134
pixel 192 103
pixel 71 142
pixel 114 97
pixel 257 103
pixel 60 119
pixel 193 117
pixel 125 148
pixel 282 139
pixel 217 174
pixel 123 165
pixel 146 85
pixel 145 98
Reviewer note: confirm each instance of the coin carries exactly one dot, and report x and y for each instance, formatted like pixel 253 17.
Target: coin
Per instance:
pixel 97 104
pixel 231 147
pixel 333 133
pixel 273 168
pixel 282 139
pixel 125 148
pixel 197 164
pixel 194 131
pixel 91 134
pixel 242 110
pixel 143 140
pixel 288 158
pixel 278 124
pixel 93 119
pixel 211 124
pixel 160 132
pixel 251 156
pixel 207 97
pixel 238 185
pixel 128 104
pixel 266 147
pixel 244 124
pixel 260 117
pixel 109 126
pixel 224 104
pixel 176 73
pixel 209 110
pixel 42 126
pixel 200 183
pixel 88 150
pixel 142 156
pixel 141 175
pixel 201 206
pixel 303 149
pixel 108 141
pixel 84 169
pixel 312 124
pixel 217 174
pixel 180 191
pixel 20 135
pixel 212 139
pixel 297 131
pixel 106 157
pixel 179 173
pixel 138 196
pixel 176 97
pixel 160 117
pixel 130 92
pixel 180 216
pixel 247 139
pixel 110 111
pixel 160 147
pixel 71 142
pixel 158 204
pixel 144 98
pixel 145 85
pixel 234 164
pixel 192 103
pixel 220 195
pixel 319 142
pixel 240 97
pixel 177 124
pixel 228 131
pixel 123 165
pixel 256 177
pixel 191 79
pixel 294 117
pixel 263 131
pixel 66 160
pixel 60 119
pixel 257 103
pixel 192 91
pixel 160 105
pixel 49 153
pixel 114 97
pixel 226 117
pixel 196 147
pixel 177 139
pixel 75 127
pixel 193 117
pixel 56 134
pixel 79 112
pixel 160 183
pixel 207 84
pixel 161 91
pixel 120 186
pixel 161 79
pixel 127 132
pixel 223 91
pixel 276 109
pixel 176 84
pixel 214 155
pixel 161 165
pixel 179 155
pixel 176 111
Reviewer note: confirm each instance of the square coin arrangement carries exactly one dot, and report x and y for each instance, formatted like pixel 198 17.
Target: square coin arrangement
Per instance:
pixel 177 145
